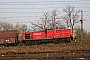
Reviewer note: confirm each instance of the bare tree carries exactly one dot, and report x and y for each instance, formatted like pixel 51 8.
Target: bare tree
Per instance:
pixel 71 17
pixel 56 20
pixel 21 27
pixel 41 24
pixel 54 14
pixel 6 26
pixel 17 26
pixel 0 25
pixel 49 20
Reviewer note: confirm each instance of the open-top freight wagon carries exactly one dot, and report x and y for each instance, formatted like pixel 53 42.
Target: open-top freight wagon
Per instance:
pixel 49 35
pixel 9 37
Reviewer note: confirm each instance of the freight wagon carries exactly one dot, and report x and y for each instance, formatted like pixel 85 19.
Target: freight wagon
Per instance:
pixel 9 37
pixel 49 35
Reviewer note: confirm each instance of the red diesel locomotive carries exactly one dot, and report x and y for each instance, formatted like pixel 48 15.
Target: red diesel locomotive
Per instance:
pixel 49 35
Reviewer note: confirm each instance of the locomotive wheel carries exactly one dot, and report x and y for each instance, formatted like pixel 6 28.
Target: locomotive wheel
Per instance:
pixel 68 40
pixel 21 44
pixel 28 43
pixel 61 41
pixel 38 42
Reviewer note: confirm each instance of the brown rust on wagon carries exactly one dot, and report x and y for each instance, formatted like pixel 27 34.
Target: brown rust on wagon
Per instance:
pixel 9 36
pixel 9 33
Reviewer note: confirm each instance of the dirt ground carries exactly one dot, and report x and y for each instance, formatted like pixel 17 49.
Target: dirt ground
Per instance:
pixel 51 51
pixel 62 47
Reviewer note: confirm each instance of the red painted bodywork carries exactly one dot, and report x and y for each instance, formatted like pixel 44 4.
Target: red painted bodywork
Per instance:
pixel 48 34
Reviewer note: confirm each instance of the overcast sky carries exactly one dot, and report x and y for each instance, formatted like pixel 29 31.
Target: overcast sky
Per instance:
pixel 24 11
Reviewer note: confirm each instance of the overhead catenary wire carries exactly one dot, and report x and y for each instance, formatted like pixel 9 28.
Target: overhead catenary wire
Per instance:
pixel 38 3
pixel 48 1
pixel 44 4
pixel 41 8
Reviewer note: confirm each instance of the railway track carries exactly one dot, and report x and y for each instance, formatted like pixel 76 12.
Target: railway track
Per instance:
pixel 48 51
pixel 46 55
